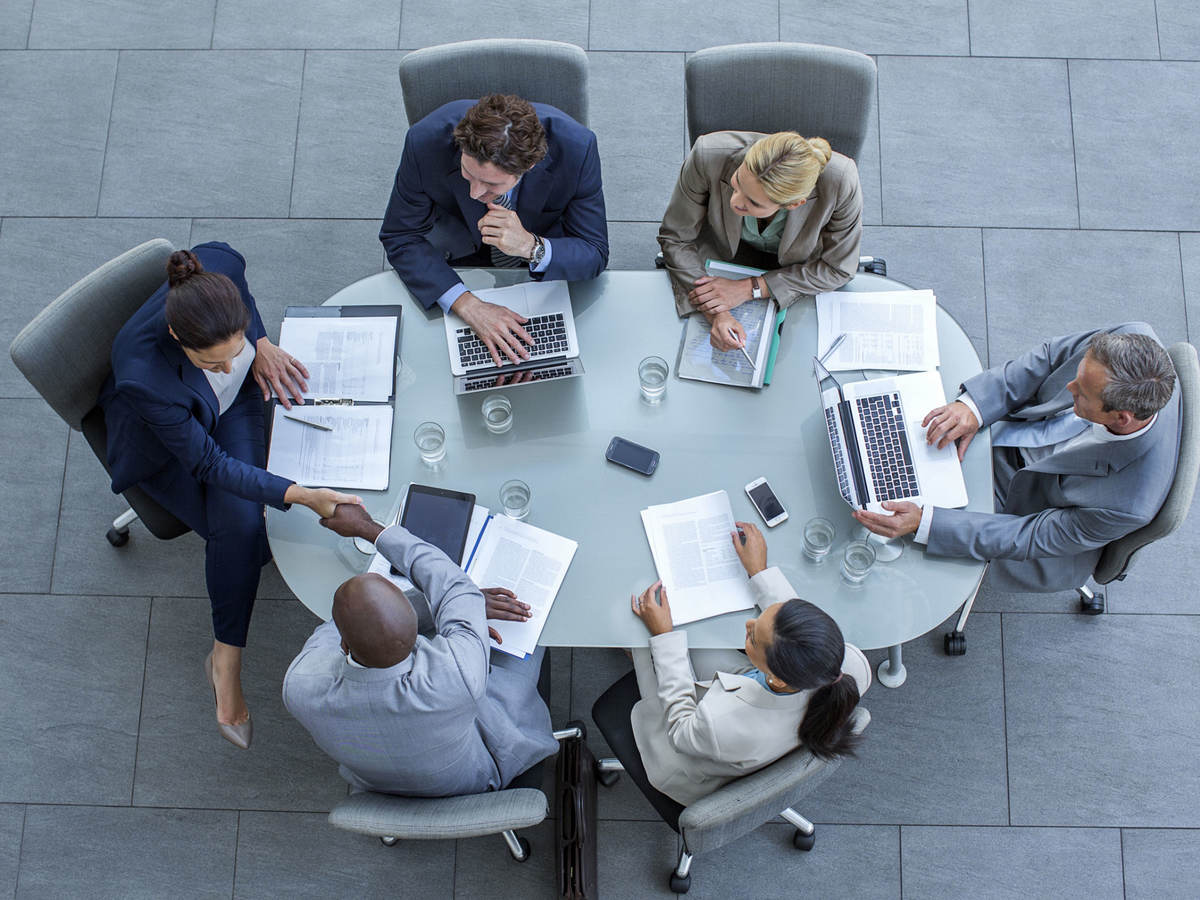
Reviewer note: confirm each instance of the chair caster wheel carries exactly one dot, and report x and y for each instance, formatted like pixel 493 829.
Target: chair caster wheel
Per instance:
pixel 524 842
pixel 608 779
pixel 388 841
pixel 955 643
pixel 1091 606
pixel 802 841
pixel 117 538
pixel 681 885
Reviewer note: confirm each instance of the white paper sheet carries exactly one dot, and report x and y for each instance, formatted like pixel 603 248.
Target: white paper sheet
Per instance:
pixel 693 553
pixel 699 360
pixel 531 563
pixel 350 357
pixel 355 455
pixel 894 330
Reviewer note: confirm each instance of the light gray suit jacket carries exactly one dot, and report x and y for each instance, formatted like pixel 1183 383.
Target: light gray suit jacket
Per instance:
pixel 701 723
pixel 1060 511
pixel 818 250
pixel 437 724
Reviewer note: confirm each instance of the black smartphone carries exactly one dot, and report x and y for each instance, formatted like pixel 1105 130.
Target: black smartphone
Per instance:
pixel 632 456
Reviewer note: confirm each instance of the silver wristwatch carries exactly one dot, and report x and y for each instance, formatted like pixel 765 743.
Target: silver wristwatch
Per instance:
pixel 539 251
pixel 755 290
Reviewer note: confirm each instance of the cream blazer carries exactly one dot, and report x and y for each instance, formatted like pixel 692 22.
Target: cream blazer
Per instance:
pixel 818 250
pixel 698 728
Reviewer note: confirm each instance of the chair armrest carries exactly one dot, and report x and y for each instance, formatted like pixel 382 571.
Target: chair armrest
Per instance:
pixel 440 818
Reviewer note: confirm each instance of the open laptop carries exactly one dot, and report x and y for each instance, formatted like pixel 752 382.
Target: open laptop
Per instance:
pixel 878 443
pixel 554 354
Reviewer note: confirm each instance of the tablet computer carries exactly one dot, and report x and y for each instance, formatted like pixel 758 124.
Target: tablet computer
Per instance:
pixel 440 517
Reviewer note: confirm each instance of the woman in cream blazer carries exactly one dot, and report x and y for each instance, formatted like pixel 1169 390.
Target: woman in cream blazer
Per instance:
pixel 715 715
pixel 778 202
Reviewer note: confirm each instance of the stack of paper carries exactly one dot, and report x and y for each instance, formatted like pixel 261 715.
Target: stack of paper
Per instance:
pixel 693 552
pixel 894 330
pixel 352 357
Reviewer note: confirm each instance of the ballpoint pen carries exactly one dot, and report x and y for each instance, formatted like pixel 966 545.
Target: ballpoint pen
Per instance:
pixel 310 424
pixel 733 337
pixel 837 342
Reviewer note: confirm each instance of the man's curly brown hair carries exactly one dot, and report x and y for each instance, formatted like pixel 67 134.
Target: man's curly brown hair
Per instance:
pixel 504 130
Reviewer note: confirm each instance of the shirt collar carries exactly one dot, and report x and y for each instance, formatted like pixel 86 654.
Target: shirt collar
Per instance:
pixel 1100 433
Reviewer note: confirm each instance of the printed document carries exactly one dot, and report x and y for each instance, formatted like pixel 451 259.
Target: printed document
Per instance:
pixel 351 357
pixel 894 330
pixel 531 563
pixel 699 360
pixel 356 454
pixel 693 553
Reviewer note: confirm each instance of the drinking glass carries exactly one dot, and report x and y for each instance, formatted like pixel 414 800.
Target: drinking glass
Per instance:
pixel 497 414
pixel 652 378
pixel 818 538
pixel 857 561
pixel 514 498
pixel 430 439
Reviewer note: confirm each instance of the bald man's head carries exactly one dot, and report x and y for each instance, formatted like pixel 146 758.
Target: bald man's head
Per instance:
pixel 375 619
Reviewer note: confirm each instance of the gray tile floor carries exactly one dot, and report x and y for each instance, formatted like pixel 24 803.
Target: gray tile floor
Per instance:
pixel 1034 163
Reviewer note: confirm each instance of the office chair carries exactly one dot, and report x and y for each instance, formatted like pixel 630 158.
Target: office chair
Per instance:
pixel 391 818
pixel 64 353
pixel 729 812
pixel 1115 558
pixel 539 71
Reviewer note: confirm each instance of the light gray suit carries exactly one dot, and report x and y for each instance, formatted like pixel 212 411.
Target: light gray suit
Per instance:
pixel 1055 515
pixel 442 722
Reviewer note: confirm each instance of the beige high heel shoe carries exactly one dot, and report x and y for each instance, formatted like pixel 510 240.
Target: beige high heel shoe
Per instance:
pixel 238 735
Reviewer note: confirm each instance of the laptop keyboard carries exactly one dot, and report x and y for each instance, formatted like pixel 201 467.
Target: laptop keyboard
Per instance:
pixel 839 456
pixel 888 454
pixel 549 335
pixel 490 381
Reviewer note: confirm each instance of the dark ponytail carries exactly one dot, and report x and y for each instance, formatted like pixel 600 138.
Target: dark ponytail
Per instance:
pixel 203 308
pixel 806 654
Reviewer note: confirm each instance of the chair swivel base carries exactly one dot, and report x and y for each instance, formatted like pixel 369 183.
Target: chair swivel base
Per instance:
pixel 117 538
pixel 954 643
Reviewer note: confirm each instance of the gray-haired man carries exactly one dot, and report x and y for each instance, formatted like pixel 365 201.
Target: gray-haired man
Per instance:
pixel 1085 438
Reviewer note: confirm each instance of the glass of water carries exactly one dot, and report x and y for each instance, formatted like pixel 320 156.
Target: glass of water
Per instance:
pixel 818 538
pixel 497 414
pixel 652 378
pixel 514 498
pixel 430 439
pixel 857 561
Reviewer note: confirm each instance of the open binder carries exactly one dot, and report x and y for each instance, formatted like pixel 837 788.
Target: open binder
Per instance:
pixel 352 354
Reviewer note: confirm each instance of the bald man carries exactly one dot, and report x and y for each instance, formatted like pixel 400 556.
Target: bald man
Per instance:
pixel 405 713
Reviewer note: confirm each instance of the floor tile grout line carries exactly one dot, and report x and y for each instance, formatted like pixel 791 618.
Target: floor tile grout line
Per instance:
pixel 879 141
pixel 1004 722
pixel 29 28
pixel 237 840
pixel 1074 152
pixel 62 492
pixel 1187 326
pixel 1157 30
pixel 987 331
pixel 20 849
pixel 112 106
pixel 212 35
pixel 137 745
pixel 1124 886
pixel 589 27
pixel 400 28
pixel 967 4
pixel 296 136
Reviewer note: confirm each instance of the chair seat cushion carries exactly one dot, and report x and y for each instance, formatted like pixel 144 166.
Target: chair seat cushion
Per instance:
pixel 440 818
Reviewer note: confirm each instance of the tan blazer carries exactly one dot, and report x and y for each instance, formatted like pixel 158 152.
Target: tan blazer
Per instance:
pixel 818 250
pixel 696 735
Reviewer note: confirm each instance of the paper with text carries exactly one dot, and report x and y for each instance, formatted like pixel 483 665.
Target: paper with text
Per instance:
pixel 346 358
pixel 894 330
pixel 356 454
pixel 699 360
pixel 693 553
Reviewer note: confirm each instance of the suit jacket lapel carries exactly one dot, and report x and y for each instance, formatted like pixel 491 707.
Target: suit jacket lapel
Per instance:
pixel 794 222
pixel 472 210
pixel 534 190
pixel 731 220
pixel 750 691
pixel 190 375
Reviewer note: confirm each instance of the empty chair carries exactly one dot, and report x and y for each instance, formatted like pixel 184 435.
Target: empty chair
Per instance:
pixel 540 71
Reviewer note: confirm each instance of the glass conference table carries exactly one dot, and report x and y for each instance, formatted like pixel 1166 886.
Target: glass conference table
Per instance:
pixel 711 437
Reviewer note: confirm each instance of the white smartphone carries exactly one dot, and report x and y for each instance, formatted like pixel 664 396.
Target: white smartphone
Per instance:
pixel 766 502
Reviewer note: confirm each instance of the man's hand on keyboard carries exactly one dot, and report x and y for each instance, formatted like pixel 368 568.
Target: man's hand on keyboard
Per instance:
pixel 497 326
pixel 952 422
pixel 905 519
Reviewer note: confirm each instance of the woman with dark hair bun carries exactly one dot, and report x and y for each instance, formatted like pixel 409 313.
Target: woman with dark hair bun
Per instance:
pixel 715 715
pixel 187 426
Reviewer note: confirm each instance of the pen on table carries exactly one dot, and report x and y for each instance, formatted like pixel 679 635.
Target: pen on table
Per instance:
pixel 310 424
pixel 837 342
pixel 733 337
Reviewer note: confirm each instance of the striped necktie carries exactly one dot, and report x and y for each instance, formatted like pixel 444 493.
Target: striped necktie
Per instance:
pixel 500 259
pixel 1039 432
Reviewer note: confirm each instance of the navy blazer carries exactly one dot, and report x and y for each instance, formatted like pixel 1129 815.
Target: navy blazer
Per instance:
pixel 159 407
pixel 560 198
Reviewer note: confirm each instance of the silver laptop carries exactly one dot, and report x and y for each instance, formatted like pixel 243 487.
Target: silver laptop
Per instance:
pixel 878 443
pixel 555 350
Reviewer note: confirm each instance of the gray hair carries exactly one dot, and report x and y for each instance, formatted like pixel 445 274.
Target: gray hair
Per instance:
pixel 1141 377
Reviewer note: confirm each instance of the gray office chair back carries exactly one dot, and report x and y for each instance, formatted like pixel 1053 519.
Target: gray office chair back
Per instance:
pixel 64 352
pixel 744 804
pixel 540 71
pixel 1116 557
pixel 816 90
pixel 440 818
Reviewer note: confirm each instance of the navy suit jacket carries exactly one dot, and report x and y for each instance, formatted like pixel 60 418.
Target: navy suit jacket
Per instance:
pixel 159 407
pixel 560 198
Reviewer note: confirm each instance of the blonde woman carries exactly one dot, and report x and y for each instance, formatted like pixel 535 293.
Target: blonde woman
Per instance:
pixel 779 202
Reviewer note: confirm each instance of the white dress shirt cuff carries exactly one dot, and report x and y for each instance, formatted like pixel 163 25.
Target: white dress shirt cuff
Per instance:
pixel 965 399
pixel 545 263
pixel 452 293
pixel 922 535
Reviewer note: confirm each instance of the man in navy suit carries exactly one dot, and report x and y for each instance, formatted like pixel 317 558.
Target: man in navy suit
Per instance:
pixel 498 182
